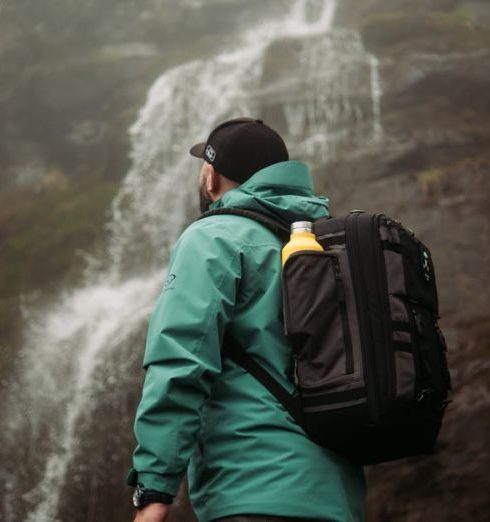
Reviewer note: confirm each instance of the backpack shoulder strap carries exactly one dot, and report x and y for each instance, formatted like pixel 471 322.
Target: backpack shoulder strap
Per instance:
pixel 281 230
pixel 234 351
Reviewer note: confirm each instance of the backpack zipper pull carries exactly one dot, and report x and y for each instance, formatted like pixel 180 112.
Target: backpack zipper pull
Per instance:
pixel 294 371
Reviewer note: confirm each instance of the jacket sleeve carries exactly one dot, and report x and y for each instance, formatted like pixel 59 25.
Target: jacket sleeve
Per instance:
pixel 182 355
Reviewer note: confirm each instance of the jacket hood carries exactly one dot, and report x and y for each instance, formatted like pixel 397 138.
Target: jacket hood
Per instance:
pixel 284 191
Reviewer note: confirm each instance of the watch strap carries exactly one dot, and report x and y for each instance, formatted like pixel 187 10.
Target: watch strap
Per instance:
pixel 143 497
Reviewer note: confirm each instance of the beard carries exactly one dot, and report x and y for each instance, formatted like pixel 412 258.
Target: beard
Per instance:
pixel 204 199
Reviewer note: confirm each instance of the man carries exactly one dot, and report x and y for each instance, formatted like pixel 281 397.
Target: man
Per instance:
pixel 245 457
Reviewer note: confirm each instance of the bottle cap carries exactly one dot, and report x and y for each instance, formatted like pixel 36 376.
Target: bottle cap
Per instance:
pixel 301 226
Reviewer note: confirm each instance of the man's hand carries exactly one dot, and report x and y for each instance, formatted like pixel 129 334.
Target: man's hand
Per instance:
pixel 154 512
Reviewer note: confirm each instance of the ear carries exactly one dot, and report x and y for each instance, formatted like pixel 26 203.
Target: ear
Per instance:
pixel 213 180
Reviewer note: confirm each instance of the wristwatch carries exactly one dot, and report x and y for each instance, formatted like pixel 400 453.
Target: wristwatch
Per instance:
pixel 142 497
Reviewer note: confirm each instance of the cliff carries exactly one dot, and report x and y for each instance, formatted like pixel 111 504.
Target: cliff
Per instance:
pixel 434 169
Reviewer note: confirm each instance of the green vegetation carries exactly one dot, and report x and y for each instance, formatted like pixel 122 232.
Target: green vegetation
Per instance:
pixel 430 180
pixel 44 232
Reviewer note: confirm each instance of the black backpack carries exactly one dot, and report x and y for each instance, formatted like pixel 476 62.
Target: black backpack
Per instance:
pixel 369 358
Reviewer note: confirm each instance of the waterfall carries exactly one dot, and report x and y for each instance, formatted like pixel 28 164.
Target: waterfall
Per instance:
pixel 316 84
pixel 376 93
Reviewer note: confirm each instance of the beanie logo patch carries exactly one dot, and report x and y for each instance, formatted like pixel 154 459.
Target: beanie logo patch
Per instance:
pixel 210 153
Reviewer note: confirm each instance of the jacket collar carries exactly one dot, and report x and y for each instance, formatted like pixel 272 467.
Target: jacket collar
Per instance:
pixel 293 175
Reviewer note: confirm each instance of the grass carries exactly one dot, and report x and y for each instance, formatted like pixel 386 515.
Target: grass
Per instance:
pixel 42 233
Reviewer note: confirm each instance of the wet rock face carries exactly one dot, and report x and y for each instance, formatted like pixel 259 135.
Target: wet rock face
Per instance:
pixel 432 173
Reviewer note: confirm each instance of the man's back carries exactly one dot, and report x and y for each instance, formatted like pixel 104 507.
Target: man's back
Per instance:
pixel 246 454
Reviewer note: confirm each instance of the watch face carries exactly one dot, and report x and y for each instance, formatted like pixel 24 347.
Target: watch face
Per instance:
pixel 136 496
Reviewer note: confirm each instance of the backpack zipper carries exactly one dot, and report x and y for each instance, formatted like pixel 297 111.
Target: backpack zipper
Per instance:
pixel 339 286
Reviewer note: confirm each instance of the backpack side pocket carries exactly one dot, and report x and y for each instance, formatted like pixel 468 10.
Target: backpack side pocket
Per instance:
pixel 317 320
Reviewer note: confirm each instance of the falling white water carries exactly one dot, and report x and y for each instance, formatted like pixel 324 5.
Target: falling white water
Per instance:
pixel 376 94
pixel 99 318
pixel 316 84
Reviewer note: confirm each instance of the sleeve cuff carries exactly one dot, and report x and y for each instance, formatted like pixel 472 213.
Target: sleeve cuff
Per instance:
pixel 154 481
pixel 132 478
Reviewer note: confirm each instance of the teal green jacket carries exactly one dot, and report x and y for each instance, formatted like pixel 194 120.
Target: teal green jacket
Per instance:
pixel 205 415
